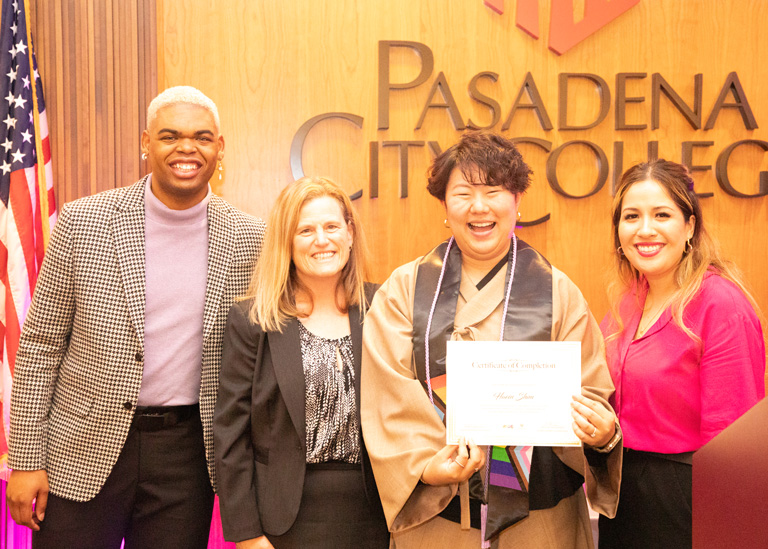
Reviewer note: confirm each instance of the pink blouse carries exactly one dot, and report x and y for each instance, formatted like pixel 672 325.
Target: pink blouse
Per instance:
pixel 673 394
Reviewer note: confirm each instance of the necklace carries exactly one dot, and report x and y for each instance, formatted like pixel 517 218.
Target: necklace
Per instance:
pixel 437 294
pixel 651 320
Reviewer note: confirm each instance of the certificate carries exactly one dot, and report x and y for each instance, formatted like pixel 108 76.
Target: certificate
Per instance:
pixel 512 393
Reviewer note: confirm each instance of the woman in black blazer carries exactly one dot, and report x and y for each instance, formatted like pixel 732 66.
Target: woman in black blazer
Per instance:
pixel 290 459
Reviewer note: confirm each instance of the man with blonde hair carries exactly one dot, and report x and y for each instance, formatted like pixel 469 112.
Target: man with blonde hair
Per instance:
pixel 118 363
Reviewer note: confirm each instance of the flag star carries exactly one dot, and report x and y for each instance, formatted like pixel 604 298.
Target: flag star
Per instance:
pixel 10 122
pixel 21 47
pixel 14 28
pixel 26 82
pixel 27 136
pixel 37 75
pixel 20 101
pixel 7 145
pixel 12 51
pixel 5 167
pixel 31 117
pixel 10 98
pixel 15 5
pixel 12 74
pixel 18 156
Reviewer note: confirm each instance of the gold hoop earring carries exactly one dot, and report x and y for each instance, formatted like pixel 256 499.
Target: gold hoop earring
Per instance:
pixel 620 252
pixel 688 246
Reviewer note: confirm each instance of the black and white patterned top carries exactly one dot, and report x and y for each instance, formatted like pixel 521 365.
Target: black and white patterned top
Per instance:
pixel 80 361
pixel 331 419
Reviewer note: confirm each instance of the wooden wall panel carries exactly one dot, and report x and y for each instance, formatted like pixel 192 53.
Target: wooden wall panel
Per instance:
pixel 271 66
pixel 98 62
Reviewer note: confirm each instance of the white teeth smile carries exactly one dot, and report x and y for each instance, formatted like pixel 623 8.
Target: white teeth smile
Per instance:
pixel 184 167
pixel 649 249
pixel 323 255
pixel 482 225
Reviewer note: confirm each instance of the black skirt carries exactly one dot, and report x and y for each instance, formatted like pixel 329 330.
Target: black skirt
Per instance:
pixel 654 506
pixel 335 513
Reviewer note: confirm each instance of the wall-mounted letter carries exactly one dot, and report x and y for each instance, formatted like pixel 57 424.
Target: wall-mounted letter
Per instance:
pixel 489 102
pixel 603 92
pixel 537 104
pixel 602 166
pixel 721 170
pixel 547 146
pixel 403 148
pixel 732 85
pixel 427 64
pixel 448 103
pixel 297 144
pixel 659 84
pixel 686 158
pixel 622 100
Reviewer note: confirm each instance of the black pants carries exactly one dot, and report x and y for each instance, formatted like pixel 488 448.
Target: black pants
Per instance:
pixel 654 505
pixel 157 495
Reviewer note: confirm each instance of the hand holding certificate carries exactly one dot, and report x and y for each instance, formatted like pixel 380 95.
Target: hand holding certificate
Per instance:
pixel 512 393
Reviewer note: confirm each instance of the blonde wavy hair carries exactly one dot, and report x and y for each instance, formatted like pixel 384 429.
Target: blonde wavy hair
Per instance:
pixel 274 283
pixel 702 251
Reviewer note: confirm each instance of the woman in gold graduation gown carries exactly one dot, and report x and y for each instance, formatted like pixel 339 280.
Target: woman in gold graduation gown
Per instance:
pixel 482 284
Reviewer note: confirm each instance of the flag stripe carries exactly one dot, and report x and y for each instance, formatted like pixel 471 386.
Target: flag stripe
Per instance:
pixel 11 329
pixel 20 203
pixel 39 239
pixel 506 481
pixel 27 201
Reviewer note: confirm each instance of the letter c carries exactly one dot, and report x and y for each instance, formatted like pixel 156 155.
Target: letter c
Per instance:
pixel 297 145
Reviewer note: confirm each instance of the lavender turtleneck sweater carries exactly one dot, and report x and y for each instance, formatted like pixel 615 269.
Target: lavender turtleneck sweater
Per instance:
pixel 176 266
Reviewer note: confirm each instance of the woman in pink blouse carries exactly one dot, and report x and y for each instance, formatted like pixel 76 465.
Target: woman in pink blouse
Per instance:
pixel 685 350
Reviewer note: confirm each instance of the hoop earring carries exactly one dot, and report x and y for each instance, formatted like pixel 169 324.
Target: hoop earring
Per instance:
pixel 688 246
pixel 143 156
pixel 620 252
pixel 221 169
pixel 445 223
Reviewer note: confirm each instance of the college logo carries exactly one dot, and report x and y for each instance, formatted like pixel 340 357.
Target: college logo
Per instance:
pixel 564 32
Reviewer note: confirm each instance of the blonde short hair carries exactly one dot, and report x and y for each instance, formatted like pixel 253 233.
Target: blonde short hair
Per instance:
pixel 274 283
pixel 182 94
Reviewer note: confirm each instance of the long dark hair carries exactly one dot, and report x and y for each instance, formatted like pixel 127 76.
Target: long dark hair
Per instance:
pixel 702 251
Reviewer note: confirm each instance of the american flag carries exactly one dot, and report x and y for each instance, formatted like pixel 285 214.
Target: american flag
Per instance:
pixel 27 204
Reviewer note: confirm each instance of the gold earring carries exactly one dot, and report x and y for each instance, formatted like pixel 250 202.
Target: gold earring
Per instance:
pixel 221 169
pixel 620 251
pixel 688 246
pixel 445 222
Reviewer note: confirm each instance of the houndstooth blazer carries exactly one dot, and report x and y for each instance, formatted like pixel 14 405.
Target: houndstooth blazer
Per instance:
pixel 79 365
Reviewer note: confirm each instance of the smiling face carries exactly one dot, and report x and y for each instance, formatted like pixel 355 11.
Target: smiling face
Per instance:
pixel 652 231
pixel 183 146
pixel 322 241
pixel 481 217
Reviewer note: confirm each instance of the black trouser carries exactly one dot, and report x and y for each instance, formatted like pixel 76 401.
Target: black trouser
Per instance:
pixel 654 505
pixel 157 495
